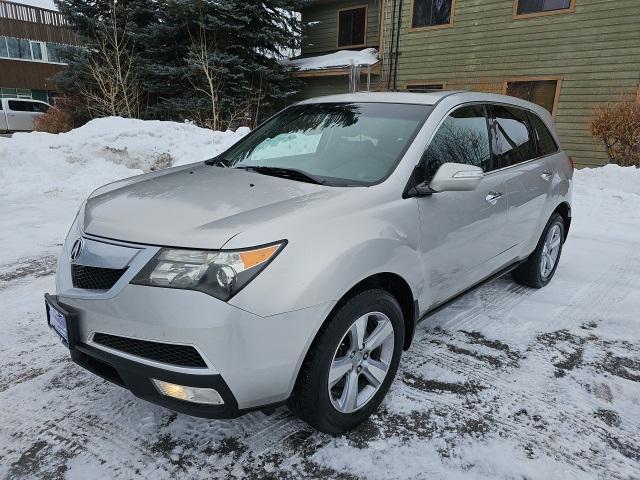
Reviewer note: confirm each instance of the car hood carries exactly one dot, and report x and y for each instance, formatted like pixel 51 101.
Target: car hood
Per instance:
pixel 197 206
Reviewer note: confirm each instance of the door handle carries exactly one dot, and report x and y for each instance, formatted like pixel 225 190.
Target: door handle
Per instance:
pixel 493 197
pixel 546 175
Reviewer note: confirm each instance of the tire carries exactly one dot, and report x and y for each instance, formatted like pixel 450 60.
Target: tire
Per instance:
pixel 530 273
pixel 313 399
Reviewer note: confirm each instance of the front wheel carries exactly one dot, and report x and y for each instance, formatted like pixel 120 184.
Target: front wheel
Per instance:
pixel 351 365
pixel 539 268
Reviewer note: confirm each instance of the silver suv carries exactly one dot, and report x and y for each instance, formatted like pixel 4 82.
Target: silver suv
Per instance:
pixel 296 265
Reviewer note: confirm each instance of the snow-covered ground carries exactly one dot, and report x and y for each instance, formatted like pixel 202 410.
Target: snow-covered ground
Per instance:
pixel 507 383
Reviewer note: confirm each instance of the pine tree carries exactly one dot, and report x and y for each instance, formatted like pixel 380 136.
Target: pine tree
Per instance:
pixel 215 62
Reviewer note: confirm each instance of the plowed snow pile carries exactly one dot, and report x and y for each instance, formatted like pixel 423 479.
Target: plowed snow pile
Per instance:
pixel 45 177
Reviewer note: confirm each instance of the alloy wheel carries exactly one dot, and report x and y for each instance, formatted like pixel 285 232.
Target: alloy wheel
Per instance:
pixel 550 251
pixel 361 362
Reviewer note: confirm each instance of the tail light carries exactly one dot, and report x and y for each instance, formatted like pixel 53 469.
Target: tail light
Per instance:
pixel 571 165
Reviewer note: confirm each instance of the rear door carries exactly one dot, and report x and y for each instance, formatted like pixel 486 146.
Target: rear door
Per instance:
pixel 530 174
pixel 462 232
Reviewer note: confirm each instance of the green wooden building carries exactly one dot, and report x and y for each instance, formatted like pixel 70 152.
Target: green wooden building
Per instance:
pixel 567 55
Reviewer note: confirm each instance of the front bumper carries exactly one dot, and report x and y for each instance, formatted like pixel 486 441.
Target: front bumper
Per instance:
pixel 256 357
pixel 251 361
pixel 136 377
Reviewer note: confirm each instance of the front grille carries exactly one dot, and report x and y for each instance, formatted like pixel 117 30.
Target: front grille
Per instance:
pixel 179 355
pixel 95 278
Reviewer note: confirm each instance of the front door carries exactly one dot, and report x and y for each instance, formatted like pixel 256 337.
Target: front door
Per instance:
pixel 20 115
pixel 462 232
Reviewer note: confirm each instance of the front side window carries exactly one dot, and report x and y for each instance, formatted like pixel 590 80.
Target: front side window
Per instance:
pixel 40 107
pixel 343 144
pixel 463 137
pixel 352 25
pixel 525 7
pixel 540 92
pixel 515 142
pixel 431 13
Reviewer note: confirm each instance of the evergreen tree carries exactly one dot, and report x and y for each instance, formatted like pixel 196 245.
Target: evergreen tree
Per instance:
pixel 212 61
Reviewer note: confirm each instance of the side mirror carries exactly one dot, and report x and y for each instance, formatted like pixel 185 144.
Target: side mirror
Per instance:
pixel 456 177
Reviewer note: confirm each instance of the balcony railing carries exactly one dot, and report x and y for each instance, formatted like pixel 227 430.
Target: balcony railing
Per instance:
pixel 27 13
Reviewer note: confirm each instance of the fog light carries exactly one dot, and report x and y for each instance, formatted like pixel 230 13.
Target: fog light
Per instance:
pixel 207 396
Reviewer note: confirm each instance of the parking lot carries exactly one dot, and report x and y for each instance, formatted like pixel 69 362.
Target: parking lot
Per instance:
pixel 507 382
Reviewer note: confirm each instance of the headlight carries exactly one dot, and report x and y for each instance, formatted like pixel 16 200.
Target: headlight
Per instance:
pixel 219 273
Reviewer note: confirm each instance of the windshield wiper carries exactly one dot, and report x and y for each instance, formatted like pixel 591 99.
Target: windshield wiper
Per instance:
pixel 288 173
pixel 218 162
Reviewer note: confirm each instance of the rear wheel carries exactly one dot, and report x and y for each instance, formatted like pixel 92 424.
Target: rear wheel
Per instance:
pixel 539 268
pixel 352 363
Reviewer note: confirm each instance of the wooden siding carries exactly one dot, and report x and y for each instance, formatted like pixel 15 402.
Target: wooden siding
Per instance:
pixel 595 51
pixel 320 25
pixel 22 21
pixel 23 74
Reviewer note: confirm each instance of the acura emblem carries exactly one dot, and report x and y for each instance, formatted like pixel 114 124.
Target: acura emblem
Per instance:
pixel 76 250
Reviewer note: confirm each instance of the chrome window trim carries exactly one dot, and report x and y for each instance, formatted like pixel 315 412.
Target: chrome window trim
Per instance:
pixel 488 104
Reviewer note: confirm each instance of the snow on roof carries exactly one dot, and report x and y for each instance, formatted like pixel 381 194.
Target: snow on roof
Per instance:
pixel 341 58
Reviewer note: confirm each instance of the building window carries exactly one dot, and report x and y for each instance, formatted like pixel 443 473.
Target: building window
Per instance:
pixel 541 7
pixel 424 87
pixel 352 26
pixel 18 48
pixel 22 49
pixel 543 92
pixel 37 50
pixel 431 13
pixel 53 52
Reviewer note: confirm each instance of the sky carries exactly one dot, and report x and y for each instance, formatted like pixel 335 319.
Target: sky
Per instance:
pixel 38 3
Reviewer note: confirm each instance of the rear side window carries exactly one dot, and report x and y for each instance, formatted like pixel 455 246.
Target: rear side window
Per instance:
pixel 462 138
pixel 20 106
pixel 515 141
pixel 546 144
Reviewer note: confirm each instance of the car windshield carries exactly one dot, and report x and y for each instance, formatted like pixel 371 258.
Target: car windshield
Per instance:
pixel 341 144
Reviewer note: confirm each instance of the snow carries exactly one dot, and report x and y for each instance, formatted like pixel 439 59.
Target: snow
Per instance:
pixel 45 177
pixel 506 383
pixel 341 58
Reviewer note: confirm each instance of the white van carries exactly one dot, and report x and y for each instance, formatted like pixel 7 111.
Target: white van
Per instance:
pixel 19 114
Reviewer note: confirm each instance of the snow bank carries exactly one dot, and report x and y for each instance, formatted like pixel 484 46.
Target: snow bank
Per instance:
pixel 45 177
pixel 101 151
pixel 342 58
pixel 610 178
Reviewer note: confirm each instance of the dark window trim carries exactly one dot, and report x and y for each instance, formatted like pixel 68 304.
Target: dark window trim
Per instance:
pixel 531 115
pixel 571 9
pixel 366 25
pixel 528 112
pixel 431 27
